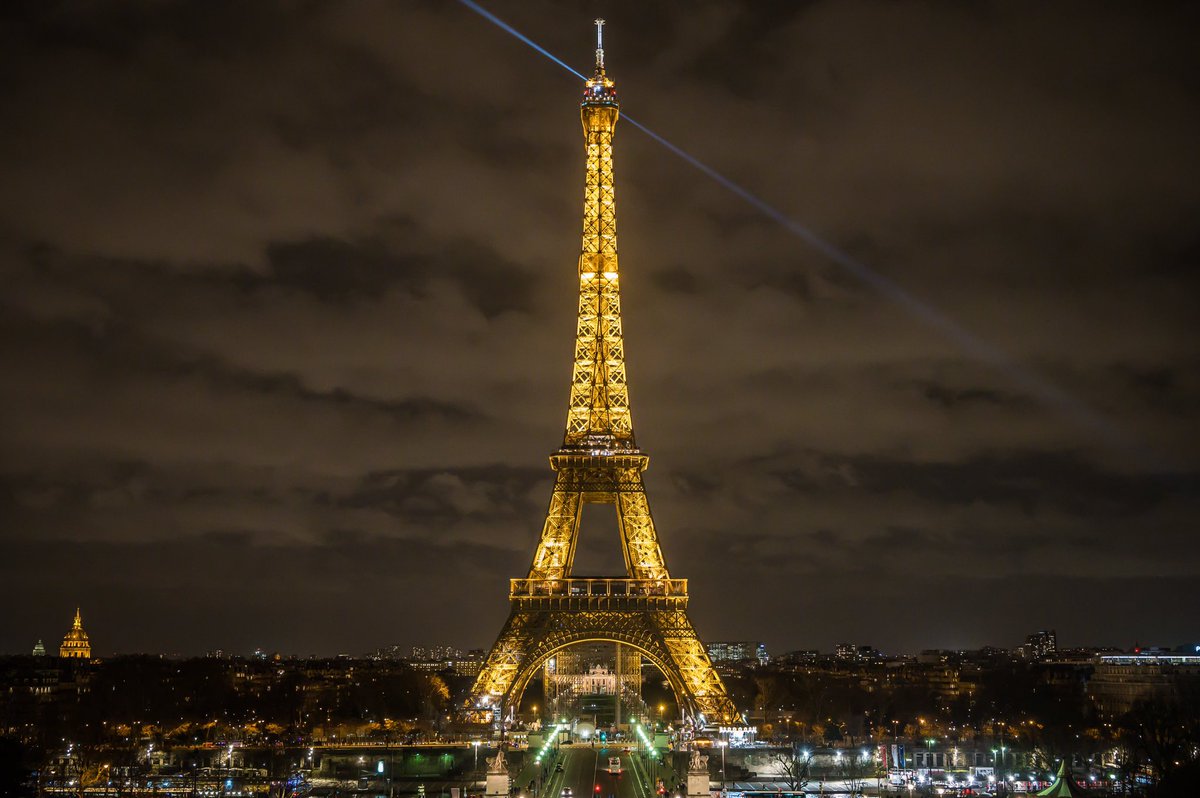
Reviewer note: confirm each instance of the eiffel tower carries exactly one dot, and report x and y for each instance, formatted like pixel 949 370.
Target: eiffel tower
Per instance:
pixel 599 462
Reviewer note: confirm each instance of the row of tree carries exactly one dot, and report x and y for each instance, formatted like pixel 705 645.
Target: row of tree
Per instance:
pixel 1154 749
pixel 207 700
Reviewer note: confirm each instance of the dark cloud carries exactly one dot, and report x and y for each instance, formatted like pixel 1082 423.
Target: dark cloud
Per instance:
pixel 499 495
pixel 366 270
pixel 951 398
pixel 289 294
pixel 1029 480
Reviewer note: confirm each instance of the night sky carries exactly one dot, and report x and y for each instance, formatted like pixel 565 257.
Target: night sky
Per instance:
pixel 289 294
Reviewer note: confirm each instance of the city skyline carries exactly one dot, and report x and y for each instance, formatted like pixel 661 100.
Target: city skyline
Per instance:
pixel 433 650
pixel 288 332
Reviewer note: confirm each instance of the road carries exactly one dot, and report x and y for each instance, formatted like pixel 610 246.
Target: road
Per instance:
pixel 585 768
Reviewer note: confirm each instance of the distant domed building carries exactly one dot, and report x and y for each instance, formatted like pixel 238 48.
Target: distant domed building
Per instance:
pixel 39 650
pixel 75 645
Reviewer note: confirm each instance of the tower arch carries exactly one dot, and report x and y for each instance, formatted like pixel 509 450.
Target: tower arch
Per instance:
pixel 645 648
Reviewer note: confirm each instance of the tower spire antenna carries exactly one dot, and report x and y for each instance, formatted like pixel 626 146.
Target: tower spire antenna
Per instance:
pixel 600 45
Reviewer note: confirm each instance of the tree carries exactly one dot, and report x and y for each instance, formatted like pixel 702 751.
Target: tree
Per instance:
pixel 1164 733
pixel 854 768
pixel 16 775
pixel 794 766
pixel 434 696
pixel 771 691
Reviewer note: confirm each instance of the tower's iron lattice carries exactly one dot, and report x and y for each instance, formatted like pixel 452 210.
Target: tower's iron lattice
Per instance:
pixel 599 462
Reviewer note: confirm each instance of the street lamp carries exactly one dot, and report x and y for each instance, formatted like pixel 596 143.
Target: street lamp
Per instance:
pixel 998 761
pixel 475 745
pixel 722 744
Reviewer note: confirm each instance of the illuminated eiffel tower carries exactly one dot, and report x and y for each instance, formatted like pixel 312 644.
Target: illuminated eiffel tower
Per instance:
pixel 599 462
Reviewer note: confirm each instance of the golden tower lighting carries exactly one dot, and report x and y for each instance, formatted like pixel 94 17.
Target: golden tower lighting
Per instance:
pixel 599 462
pixel 75 644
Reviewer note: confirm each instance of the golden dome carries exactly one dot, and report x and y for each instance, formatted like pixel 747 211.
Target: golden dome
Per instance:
pixel 75 645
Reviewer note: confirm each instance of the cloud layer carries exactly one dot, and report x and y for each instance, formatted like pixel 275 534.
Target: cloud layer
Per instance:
pixel 288 310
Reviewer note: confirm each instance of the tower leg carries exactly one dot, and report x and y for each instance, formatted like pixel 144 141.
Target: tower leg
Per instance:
pixel 504 661
pixel 691 661
pixel 556 549
pixel 639 540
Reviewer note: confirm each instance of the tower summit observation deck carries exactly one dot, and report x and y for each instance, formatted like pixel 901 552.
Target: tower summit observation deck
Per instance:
pixel 599 463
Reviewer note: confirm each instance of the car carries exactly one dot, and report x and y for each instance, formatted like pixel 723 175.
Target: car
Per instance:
pixel 558 768
pixel 566 793
pixel 614 764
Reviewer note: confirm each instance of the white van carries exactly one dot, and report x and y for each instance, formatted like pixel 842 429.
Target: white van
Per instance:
pixel 614 764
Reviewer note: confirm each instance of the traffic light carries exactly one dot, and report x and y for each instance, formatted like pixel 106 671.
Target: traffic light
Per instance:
pixel 597 788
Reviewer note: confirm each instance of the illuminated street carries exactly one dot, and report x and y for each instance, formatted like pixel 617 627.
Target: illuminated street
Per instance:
pixel 584 767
